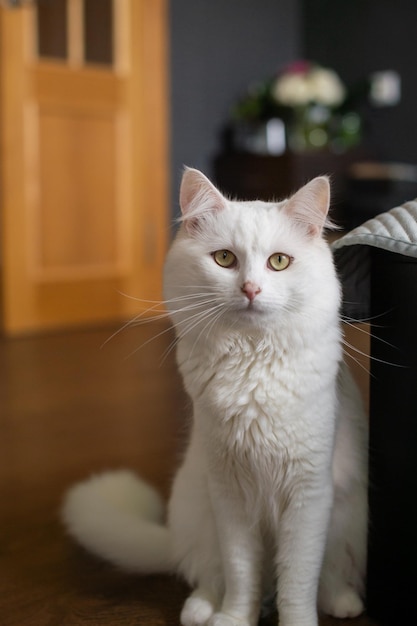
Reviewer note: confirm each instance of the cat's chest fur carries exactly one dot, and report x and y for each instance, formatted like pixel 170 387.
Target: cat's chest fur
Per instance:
pixel 259 402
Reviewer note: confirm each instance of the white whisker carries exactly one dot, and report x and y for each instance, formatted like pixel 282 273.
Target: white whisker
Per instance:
pixel 148 315
pixel 195 319
pixel 215 315
pixel 369 334
pixel 372 358
pixel 357 361
pixel 200 316
pixel 364 320
pixel 148 341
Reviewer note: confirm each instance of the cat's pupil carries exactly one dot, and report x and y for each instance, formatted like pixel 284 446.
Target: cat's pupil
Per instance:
pixel 225 258
pixel 279 261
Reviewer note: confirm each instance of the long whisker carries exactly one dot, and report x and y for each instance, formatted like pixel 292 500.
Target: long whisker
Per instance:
pixel 211 315
pixel 189 307
pixel 369 334
pixel 292 308
pixel 145 317
pixel 142 345
pixel 133 322
pixel 198 317
pixel 195 316
pixel 369 319
pixel 355 360
pixel 373 358
pixel 354 324
pixel 208 327
pixel 162 302
pixel 178 337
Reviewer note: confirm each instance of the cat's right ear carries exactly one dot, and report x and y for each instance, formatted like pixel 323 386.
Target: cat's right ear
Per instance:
pixel 309 206
pixel 198 196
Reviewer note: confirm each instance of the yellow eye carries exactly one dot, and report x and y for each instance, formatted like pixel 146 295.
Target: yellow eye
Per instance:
pixel 224 258
pixel 279 261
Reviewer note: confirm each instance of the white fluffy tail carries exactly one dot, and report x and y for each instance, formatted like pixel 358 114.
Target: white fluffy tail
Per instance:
pixel 118 517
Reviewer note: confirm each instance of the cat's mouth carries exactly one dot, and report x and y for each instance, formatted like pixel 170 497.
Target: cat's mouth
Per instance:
pixel 251 308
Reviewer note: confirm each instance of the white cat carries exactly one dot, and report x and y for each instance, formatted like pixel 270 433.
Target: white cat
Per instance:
pixel 272 489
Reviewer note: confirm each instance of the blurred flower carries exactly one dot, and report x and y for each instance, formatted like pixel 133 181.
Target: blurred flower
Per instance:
pixel 298 84
pixel 311 101
pixel 303 84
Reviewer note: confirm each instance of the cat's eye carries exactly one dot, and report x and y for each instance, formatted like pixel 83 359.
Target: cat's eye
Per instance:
pixel 225 258
pixel 279 261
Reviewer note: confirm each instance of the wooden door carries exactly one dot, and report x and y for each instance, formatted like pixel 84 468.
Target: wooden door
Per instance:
pixel 83 158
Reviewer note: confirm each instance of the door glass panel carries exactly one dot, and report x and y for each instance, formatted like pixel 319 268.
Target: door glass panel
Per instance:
pixel 98 31
pixel 52 28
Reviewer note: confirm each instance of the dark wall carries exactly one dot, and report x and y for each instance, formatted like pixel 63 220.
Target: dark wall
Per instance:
pixel 357 37
pixel 218 47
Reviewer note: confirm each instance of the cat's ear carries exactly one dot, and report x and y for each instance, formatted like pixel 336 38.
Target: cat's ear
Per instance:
pixel 309 206
pixel 198 196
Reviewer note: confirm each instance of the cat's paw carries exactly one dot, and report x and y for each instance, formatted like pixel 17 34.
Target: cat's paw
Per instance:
pixel 342 604
pixel 221 619
pixel 196 612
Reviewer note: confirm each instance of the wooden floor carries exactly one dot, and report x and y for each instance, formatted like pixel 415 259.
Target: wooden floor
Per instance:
pixel 68 408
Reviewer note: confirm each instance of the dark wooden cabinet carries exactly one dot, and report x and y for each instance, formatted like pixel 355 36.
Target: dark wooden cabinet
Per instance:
pixel 249 176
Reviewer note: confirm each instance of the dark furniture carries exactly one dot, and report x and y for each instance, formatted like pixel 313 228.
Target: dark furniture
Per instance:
pixel 392 552
pixel 248 176
pixel 376 187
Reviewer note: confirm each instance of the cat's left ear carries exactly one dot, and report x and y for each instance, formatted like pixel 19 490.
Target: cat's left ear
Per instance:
pixel 198 196
pixel 310 205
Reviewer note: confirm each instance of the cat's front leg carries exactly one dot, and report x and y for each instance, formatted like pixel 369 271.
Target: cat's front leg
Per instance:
pixel 301 543
pixel 241 552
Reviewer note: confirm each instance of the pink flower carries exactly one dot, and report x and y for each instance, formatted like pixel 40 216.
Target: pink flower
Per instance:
pixel 296 67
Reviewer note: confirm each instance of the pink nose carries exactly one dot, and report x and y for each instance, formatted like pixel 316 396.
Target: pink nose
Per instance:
pixel 250 290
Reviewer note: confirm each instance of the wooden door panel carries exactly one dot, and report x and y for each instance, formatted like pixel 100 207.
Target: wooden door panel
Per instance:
pixel 71 87
pixel 84 169
pixel 77 187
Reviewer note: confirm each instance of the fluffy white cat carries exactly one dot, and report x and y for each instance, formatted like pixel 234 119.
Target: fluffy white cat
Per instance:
pixel 272 491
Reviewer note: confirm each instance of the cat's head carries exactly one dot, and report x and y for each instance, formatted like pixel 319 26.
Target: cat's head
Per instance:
pixel 250 265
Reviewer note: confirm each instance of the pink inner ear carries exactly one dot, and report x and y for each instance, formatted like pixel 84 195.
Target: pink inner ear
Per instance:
pixel 190 185
pixel 198 196
pixel 310 205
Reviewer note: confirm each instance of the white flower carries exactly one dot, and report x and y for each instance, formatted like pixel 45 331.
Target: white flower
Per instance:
pixel 319 85
pixel 292 90
pixel 326 87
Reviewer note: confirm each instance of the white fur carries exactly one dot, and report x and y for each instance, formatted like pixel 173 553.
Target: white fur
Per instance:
pixel 119 518
pixel 273 484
